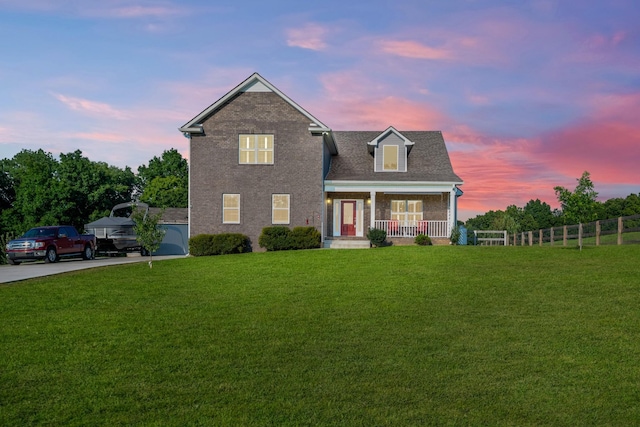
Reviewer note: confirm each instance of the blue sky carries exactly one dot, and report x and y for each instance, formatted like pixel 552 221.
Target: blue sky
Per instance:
pixel 528 94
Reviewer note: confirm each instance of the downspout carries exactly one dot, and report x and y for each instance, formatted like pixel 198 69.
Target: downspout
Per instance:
pixel 322 194
pixel 189 217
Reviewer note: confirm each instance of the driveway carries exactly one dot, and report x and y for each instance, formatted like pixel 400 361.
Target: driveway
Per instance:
pixel 29 270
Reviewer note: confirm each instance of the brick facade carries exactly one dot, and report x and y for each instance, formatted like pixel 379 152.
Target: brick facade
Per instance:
pixel 215 168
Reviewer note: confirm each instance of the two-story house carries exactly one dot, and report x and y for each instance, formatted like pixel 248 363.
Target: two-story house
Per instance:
pixel 259 159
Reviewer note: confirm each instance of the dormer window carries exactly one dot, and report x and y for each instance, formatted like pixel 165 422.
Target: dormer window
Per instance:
pixel 390 151
pixel 390 158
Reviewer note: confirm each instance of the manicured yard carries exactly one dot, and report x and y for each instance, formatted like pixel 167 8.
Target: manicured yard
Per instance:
pixel 389 336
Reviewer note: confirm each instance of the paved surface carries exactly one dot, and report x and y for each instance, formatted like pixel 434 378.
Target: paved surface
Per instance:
pixel 29 270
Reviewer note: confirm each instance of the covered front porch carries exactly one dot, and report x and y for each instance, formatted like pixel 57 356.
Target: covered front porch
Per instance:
pixel 401 211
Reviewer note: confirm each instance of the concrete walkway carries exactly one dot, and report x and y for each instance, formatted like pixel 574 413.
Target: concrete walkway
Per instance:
pixel 29 270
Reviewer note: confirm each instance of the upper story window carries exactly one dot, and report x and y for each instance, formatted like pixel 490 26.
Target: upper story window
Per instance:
pixel 256 149
pixel 390 150
pixel 390 158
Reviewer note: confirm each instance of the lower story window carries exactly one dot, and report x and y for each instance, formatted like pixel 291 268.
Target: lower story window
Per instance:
pixel 231 209
pixel 280 204
pixel 408 211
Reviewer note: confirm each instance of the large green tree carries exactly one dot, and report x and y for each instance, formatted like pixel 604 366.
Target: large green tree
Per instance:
pixel 44 191
pixel 164 182
pixel 88 190
pixel 541 213
pixel 580 205
pixel 32 174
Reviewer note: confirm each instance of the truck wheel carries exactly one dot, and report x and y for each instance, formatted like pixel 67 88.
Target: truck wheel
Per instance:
pixel 87 253
pixel 51 256
pixel 13 262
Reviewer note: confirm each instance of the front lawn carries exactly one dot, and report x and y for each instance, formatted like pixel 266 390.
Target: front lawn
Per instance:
pixel 389 336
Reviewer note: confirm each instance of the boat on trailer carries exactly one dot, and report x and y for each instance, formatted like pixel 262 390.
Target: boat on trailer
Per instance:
pixel 116 233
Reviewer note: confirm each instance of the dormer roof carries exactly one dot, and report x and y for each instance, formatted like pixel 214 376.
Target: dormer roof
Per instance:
pixel 390 130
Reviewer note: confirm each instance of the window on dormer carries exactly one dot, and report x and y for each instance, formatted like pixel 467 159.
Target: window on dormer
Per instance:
pixel 256 150
pixel 390 158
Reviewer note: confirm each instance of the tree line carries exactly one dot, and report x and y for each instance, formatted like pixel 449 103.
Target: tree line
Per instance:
pixel 38 189
pixel 577 206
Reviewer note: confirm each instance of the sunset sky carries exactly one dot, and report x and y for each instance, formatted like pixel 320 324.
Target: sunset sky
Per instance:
pixel 528 94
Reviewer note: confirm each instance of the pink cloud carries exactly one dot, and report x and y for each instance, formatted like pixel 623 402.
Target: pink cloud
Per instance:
pixel 309 36
pixel 353 101
pixel 93 108
pixel 142 11
pixel 413 49
pixel 607 143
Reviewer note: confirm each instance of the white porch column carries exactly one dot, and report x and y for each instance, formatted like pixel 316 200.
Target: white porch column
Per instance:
pixel 373 209
pixel 452 210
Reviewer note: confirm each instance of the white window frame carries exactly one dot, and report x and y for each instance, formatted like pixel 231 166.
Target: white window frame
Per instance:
pixel 279 209
pixel 226 209
pixel 258 151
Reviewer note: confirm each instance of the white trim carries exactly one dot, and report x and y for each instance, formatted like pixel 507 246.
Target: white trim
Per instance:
pixel 400 187
pixel 337 216
pixel 359 217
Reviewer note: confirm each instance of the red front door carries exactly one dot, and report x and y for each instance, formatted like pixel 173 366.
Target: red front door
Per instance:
pixel 348 226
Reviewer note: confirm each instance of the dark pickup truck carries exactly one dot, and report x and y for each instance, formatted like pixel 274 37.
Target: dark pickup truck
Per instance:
pixel 49 244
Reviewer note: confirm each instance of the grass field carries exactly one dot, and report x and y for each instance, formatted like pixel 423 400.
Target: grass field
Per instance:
pixel 389 336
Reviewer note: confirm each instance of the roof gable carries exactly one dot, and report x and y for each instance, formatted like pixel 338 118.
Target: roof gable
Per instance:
pixel 255 83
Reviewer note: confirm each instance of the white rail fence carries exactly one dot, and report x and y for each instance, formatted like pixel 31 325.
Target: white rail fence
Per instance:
pixel 395 228
pixel 491 237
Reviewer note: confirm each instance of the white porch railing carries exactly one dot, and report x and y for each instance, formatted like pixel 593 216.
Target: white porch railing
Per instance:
pixel 396 228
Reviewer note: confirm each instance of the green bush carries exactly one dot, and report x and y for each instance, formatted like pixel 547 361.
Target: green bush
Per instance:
pixel 422 240
pixel 4 239
pixel 455 235
pixel 218 244
pixel 275 238
pixel 305 238
pixel 377 236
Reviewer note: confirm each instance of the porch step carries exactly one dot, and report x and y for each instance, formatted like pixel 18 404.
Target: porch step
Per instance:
pixel 347 244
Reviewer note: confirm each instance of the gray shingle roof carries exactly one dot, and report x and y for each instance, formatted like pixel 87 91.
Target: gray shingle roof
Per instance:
pixel 171 215
pixel 428 161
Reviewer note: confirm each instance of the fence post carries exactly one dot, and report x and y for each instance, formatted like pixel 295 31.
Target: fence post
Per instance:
pixel 522 239
pixel 598 233
pixel 506 238
pixel 620 230
pixel 580 235
pixel 515 239
pixel 530 238
pixel 564 236
pixel 540 237
pixel 551 236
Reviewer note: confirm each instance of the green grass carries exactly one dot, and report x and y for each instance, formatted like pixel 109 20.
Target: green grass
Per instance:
pixel 391 336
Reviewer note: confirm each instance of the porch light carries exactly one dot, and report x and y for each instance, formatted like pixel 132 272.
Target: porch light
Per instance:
pixel 328 200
